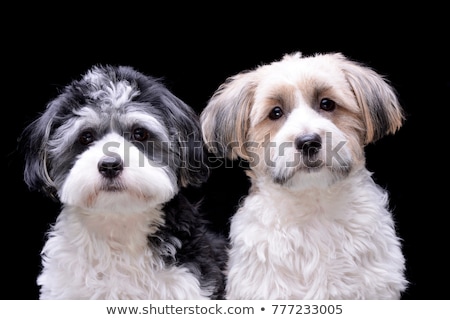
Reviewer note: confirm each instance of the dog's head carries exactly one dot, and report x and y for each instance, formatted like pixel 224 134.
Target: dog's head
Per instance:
pixel 301 116
pixel 114 134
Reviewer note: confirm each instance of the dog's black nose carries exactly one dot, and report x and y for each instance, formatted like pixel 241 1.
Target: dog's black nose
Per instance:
pixel 110 166
pixel 308 144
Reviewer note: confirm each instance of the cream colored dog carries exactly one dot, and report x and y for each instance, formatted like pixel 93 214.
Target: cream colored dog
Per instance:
pixel 314 225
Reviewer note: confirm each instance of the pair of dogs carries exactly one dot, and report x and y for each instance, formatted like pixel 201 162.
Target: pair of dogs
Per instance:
pixel 117 149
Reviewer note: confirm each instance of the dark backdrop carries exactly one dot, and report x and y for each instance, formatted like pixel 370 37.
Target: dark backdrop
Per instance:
pixel 194 49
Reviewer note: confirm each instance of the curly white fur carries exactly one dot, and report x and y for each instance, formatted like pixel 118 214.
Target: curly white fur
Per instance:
pixel 84 258
pixel 336 243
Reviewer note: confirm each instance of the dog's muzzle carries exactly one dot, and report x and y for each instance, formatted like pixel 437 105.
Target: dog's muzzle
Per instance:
pixel 110 166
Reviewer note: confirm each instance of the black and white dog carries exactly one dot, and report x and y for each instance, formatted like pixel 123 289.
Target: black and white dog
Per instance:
pixel 116 148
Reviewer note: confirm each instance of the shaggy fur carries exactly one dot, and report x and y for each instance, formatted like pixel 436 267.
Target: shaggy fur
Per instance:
pixel 117 149
pixel 314 224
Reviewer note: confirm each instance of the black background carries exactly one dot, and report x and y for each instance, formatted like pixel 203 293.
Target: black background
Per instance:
pixel 194 48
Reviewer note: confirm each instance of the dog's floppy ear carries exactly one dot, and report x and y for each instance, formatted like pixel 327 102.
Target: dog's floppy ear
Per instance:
pixel 33 143
pixel 225 119
pixel 377 99
pixel 187 135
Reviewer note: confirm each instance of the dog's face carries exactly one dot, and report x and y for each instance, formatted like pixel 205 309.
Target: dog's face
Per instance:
pixel 116 140
pixel 301 120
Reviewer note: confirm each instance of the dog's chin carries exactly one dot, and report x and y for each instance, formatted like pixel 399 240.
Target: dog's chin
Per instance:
pixel 124 201
pixel 306 177
pixel 113 200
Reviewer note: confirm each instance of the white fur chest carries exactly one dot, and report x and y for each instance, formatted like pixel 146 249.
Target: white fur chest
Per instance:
pixel 82 260
pixel 315 245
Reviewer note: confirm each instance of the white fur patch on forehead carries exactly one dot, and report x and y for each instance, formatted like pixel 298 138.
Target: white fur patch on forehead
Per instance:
pixel 111 93
pixel 294 66
pixel 90 118
pixel 86 115
pixel 291 69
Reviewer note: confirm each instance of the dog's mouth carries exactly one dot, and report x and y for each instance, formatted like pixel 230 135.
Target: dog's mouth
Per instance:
pixel 312 166
pixel 112 185
pixel 306 173
pixel 283 176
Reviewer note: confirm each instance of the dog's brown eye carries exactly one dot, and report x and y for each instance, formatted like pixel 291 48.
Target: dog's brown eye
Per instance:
pixel 86 137
pixel 327 104
pixel 140 134
pixel 276 113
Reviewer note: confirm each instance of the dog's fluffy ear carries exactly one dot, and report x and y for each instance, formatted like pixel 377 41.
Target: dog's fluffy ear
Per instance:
pixel 225 119
pixel 188 137
pixel 381 110
pixel 33 143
